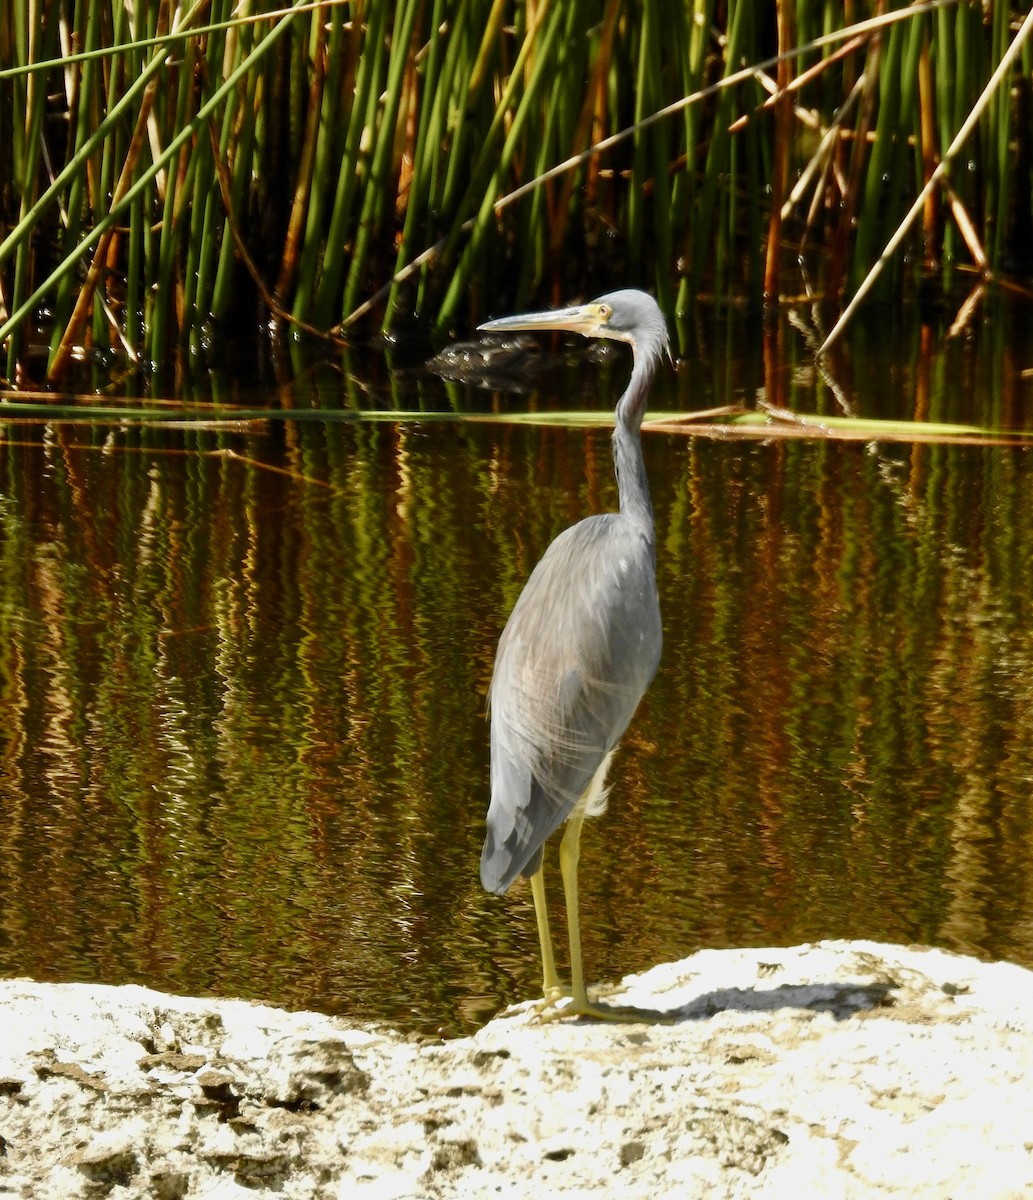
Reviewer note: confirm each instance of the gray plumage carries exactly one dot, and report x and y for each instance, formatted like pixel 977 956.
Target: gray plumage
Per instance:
pixel 583 641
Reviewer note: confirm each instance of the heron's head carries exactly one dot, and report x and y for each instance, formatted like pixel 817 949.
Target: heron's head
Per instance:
pixel 626 316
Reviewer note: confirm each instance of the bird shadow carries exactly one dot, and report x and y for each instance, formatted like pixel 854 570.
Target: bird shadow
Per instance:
pixel 841 1000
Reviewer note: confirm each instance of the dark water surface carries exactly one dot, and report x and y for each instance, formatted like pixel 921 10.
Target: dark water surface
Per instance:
pixel 243 748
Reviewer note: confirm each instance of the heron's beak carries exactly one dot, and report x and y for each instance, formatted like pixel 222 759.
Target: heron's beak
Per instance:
pixel 588 319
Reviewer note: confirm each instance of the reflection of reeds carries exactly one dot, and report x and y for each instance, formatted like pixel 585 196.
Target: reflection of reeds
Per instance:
pixel 242 708
pixel 159 182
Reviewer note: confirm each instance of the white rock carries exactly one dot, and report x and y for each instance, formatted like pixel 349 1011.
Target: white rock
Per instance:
pixel 835 1070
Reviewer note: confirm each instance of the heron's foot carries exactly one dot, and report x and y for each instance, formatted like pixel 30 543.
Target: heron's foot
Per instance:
pixel 623 1014
pixel 570 1006
pixel 552 997
pixel 545 1009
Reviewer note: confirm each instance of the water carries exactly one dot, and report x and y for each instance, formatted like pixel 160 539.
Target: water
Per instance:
pixel 243 674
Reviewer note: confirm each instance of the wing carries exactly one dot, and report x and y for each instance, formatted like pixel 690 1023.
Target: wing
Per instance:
pixel 577 654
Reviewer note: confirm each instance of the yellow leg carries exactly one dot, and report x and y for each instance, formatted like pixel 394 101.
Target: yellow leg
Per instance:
pixel 552 989
pixel 570 851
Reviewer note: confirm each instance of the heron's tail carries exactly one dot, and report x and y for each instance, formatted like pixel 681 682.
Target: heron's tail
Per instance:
pixel 500 866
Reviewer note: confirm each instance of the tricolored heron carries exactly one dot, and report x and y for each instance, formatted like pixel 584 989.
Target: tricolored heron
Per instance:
pixel 577 653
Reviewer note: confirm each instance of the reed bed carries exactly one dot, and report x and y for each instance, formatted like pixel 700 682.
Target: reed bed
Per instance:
pixel 175 174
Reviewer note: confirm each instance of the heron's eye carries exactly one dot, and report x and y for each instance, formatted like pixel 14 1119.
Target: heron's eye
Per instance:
pixel 605 311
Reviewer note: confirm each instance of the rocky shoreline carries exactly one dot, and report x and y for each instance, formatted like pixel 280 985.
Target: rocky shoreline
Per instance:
pixel 840 1069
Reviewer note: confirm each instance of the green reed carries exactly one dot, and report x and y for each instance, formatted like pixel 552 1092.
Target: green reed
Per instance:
pixel 348 167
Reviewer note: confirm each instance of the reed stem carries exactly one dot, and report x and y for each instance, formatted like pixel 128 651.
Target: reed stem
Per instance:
pixel 436 158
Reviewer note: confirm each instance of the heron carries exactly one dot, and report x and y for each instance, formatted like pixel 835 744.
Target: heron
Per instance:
pixel 577 654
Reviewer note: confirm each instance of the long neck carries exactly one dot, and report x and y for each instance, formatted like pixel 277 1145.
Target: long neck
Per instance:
pixel 632 484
